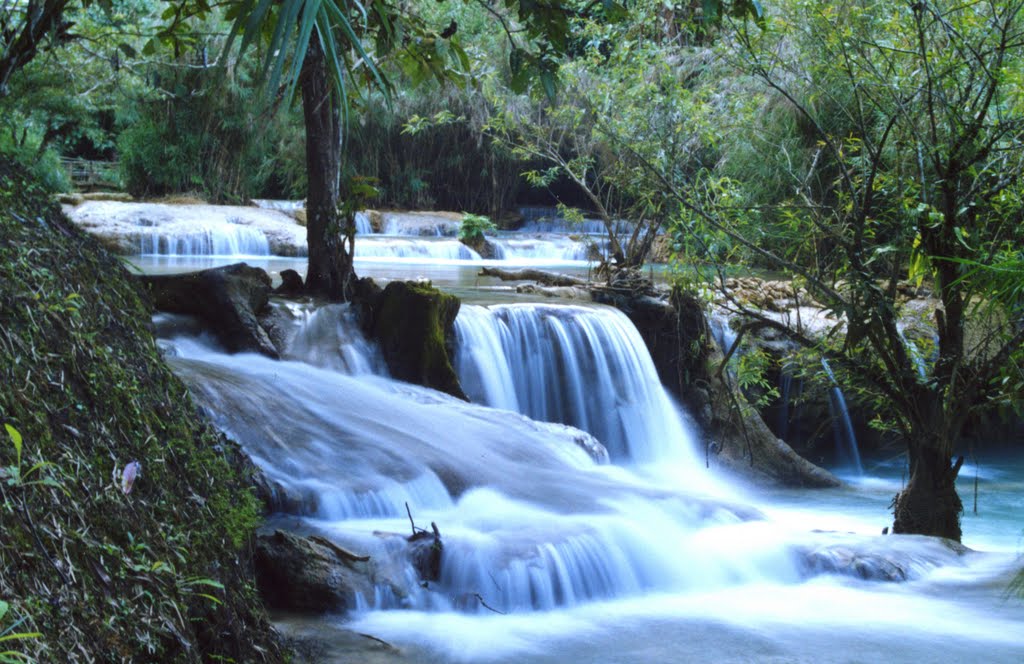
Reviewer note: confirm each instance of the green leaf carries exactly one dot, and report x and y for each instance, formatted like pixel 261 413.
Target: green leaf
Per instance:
pixel 16 439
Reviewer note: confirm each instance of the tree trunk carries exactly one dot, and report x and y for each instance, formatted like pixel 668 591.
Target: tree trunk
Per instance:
pixel 329 235
pixel 929 505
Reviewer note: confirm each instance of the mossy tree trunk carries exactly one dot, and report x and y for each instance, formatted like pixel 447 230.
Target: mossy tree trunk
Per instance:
pixel 328 234
pixel 929 505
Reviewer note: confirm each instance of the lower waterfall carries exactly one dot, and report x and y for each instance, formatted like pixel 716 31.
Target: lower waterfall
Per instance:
pixel 551 554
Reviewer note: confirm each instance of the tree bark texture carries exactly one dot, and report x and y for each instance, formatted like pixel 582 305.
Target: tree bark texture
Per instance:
pixel 330 272
pixel 929 505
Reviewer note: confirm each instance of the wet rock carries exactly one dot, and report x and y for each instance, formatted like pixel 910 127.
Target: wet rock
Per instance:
pixel 310 573
pixel 425 552
pixel 227 299
pixel 415 326
pixel 848 563
pixel 892 559
pixel 482 246
pixel 291 284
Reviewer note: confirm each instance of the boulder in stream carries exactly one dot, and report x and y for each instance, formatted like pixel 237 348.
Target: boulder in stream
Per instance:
pixel 414 324
pixel 310 573
pixel 227 299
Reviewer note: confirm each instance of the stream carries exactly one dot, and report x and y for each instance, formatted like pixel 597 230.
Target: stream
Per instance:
pixel 560 548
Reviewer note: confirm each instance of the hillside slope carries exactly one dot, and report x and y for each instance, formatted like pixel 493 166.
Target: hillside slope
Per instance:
pixel 88 570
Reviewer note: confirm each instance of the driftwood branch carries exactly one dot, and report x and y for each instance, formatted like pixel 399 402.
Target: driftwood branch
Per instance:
pixel 540 276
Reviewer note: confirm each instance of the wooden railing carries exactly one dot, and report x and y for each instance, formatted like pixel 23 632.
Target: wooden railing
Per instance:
pixel 86 174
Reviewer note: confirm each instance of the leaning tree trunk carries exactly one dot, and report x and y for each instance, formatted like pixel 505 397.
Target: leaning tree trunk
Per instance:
pixel 929 504
pixel 330 270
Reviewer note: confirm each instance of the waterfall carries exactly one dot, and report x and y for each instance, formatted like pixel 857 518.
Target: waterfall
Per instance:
pixel 363 226
pixel 380 247
pixel 846 439
pixel 515 247
pixel 535 529
pixel 208 239
pixel 583 366
pixel 530 521
pixel 330 337
pixel 549 220
pixel 721 331
pixel 422 224
pixel 914 351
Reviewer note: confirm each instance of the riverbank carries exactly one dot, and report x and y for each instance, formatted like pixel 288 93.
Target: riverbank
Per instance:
pixel 127 520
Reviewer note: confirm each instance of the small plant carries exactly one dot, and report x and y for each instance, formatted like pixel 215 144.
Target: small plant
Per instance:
pixel 15 476
pixel 8 635
pixel 473 227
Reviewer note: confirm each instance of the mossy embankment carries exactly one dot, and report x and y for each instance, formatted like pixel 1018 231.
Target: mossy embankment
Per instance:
pixel 158 574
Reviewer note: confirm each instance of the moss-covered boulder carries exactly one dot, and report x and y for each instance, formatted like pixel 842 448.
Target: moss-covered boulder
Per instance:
pixel 415 326
pixel 104 569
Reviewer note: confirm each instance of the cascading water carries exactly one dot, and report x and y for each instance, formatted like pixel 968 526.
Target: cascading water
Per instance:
pixel 582 366
pixel 213 239
pixel 589 562
pixel 846 439
pixel 547 248
pixel 329 337
pixel 379 246
pixel 363 226
pixel 548 220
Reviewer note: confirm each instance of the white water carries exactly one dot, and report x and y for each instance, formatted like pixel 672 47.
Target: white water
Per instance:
pixel 363 226
pixel 207 239
pixel 512 246
pixel 842 425
pixel 387 247
pixel 590 562
pixel 582 366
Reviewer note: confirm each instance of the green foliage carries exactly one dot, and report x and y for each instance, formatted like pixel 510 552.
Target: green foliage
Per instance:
pixel 752 369
pixel 199 131
pixel 8 637
pixel 426 152
pixel 85 567
pixel 474 226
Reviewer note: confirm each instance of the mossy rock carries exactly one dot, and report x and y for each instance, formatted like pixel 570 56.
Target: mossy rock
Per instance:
pixel 482 246
pixel 158 574
pixel 414 325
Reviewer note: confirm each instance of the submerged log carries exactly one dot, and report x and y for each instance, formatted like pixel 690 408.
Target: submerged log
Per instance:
pixel 227 299
pixel 528 274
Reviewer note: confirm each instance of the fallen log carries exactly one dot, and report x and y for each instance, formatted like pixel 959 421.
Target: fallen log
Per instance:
pixel 529 274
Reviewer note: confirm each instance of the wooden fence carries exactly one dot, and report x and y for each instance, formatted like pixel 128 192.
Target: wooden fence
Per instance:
pixel 87 175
